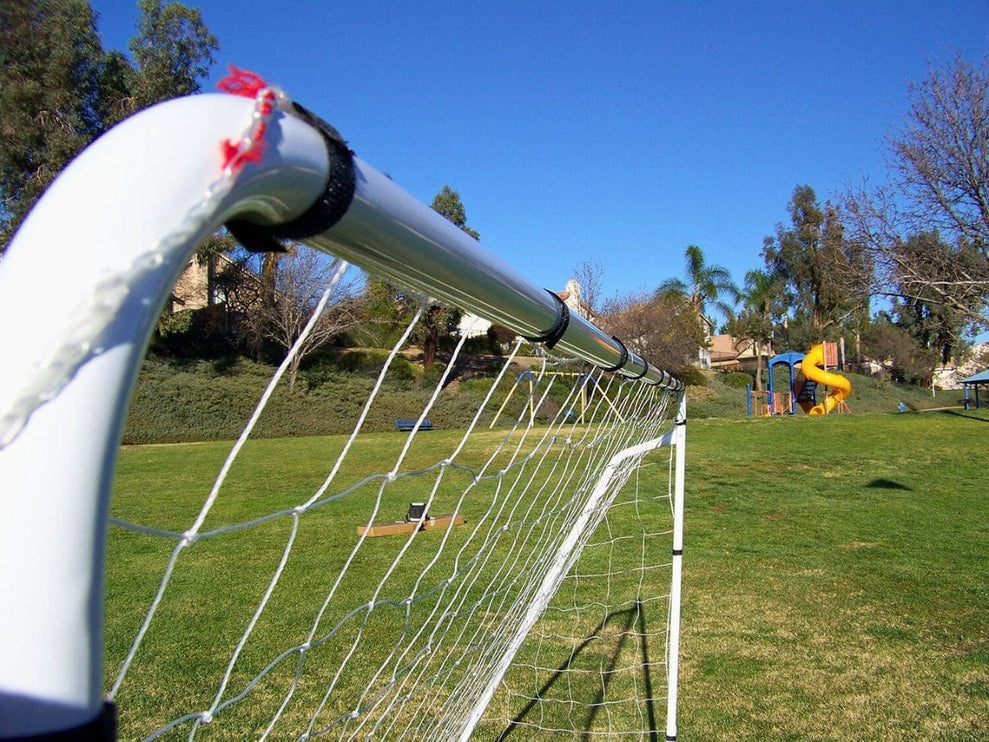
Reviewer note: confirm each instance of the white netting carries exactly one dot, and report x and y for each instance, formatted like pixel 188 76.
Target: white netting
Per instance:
pixel 290 619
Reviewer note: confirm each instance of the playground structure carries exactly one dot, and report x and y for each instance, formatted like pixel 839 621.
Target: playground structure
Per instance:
pixel 805 372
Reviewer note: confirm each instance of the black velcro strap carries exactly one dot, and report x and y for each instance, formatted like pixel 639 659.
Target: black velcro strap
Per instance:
pixel 555 333
pixel 645 370
pixel 664 380
pixel 622 360
pixel 325 211
pixel 101 729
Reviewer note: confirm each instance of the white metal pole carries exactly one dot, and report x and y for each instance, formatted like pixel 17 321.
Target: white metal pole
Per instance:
pixel 388 232
pixel 673 645
pixel 76 274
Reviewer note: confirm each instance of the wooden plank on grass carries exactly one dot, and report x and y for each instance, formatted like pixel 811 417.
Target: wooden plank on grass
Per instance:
pixel 396 527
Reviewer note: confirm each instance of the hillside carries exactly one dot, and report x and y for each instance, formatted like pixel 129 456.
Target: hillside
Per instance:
pixel 177 401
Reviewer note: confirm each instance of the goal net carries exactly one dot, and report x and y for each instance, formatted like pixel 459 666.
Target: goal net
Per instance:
pixel 513 575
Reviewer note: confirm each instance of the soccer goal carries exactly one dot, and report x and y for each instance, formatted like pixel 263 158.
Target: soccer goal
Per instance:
pixel 516 580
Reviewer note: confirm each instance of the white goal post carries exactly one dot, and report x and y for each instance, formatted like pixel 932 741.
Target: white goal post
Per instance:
pixel 81 287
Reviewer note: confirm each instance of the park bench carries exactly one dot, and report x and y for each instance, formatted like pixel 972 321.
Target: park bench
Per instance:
pixel 407 424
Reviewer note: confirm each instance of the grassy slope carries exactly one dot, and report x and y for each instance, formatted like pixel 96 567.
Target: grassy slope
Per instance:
pixel 196 401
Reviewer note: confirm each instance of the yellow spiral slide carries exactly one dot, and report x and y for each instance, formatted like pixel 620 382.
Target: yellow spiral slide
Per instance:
pixel 840 386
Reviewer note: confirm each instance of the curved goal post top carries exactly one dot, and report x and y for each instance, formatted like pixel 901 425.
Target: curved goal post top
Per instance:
pixel 81 286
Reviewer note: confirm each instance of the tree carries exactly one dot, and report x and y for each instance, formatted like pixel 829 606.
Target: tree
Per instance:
pixel 935 325
pixel 438 319
pixel 941 155
pixel 173 51
pixel 50 62
pixel 761 307
pixel 59 90
pixel 447 202
pixel 302 277
pixel 661 328
pixel 589 275
pixel 826 276
pixel 117 80
pixel 705 285
pixel 384 307
pixel 940 158
pixel 893 346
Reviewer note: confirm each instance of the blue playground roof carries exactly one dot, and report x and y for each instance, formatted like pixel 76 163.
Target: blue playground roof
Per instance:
pixel 980 378
pixel 791 358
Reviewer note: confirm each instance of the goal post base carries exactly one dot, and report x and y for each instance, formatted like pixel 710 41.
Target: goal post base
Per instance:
pixel 101 729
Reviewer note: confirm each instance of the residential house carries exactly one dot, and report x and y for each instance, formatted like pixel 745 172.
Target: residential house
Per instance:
pixel 728 353
pixel 473 326
pixel 704 353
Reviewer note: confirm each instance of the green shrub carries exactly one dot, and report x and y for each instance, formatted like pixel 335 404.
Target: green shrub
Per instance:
pixel 193 334
pixel 691 376
pixel 369 361
pixel 738 379
pixel 483 344
pixel 178 400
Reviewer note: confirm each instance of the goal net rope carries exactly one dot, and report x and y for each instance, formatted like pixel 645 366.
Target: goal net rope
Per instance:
pixel 515 576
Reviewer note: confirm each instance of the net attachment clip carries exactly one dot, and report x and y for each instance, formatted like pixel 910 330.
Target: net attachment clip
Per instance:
pixel 325 211
pixel 623 359
pixel 555 334
pixel 645 370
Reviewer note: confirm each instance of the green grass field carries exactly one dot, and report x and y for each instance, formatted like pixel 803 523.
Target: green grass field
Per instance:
pixel 836 583
pixel 836 579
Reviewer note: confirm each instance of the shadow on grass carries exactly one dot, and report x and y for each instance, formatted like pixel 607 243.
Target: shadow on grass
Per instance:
pixel 966 415
pixel 630 620
pixel 888 484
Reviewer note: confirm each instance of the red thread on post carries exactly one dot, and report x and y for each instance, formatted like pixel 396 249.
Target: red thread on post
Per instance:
pixel 243 83
pixel 248 85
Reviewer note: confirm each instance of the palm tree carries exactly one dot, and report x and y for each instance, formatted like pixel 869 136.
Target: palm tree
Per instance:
pixel 705 285
pixel 760 306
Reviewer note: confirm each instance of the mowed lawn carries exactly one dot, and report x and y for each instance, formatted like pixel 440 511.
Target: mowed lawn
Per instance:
pixel 836 579
pixel 836 574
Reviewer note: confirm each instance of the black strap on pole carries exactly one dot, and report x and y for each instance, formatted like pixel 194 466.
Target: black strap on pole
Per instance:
pixel 623 359
pixel 555 333
pixel 325 211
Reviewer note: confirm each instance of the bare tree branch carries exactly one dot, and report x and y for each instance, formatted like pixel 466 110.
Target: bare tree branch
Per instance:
pixel 302 277
pixel 589 274
pixel 942 154
pixel 917 266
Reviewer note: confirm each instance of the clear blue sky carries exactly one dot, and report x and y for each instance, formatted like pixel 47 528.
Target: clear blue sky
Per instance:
pixel 619 131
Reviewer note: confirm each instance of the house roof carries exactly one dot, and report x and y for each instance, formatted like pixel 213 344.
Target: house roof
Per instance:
pixel 728 346
pixel 980 378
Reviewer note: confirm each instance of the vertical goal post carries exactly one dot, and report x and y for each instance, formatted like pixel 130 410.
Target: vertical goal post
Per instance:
pixel 80 289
